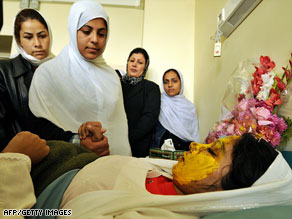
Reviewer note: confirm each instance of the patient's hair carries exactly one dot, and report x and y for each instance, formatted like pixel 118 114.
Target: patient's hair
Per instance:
pixel 24 15
pixel 250 160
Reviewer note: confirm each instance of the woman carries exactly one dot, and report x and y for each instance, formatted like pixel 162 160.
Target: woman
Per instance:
pixel 217 170
pixel 33 40
pixel 240 162
pixel 178 118
pixel 243 167
pixel 142 102
pixel 78 85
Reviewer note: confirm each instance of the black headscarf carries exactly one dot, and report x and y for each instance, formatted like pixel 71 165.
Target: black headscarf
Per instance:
pixel 134 80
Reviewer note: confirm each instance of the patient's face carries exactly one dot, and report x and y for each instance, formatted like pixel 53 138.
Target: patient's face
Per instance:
pixel 202 168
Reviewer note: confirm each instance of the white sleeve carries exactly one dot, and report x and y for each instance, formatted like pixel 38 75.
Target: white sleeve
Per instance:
pixel 16 187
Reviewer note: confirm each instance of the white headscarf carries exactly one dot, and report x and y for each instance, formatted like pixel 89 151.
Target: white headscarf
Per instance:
pixel 32 59
pixel 70 90
pixel 178 115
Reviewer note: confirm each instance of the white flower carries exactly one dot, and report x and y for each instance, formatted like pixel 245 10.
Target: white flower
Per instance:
pixel 268 81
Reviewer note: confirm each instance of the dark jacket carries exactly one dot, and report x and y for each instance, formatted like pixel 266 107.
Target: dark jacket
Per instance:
pixel 161 134
pixel 142 106
pixel 15 116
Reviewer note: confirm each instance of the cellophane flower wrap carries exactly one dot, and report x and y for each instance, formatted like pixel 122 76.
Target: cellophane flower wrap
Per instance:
pixel 251 102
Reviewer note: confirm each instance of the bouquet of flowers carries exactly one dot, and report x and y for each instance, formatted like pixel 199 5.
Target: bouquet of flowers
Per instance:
pixel 252 101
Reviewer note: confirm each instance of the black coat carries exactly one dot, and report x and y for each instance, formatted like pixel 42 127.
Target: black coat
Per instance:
pixel 15 116
pixel 142 106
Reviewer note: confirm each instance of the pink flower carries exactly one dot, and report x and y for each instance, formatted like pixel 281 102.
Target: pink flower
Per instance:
pixel 265 132
pixel 253 111
pixel 230 129
pixel 260 103
pixel 221 126
pixel 279 123
pixel 276 139
pixel 262 113
pixel 264 122
pixel 243 105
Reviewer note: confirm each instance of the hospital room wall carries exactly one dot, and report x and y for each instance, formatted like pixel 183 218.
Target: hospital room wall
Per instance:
pixel 169 38
pixel 266 31
pixel 164 27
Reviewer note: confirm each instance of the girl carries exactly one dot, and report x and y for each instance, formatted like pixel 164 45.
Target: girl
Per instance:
pixel 78 86
pixel 33 40
pixel 178 117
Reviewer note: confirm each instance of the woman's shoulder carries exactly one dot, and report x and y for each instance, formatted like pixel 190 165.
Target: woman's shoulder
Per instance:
pixel 4 64
pixel 14 67
pixel 151 84
pixel 7 62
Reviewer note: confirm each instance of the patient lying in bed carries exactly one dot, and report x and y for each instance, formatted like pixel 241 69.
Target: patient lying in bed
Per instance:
pixel 231 173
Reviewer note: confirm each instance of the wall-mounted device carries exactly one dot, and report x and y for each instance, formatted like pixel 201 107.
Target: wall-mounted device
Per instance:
pixel 233 13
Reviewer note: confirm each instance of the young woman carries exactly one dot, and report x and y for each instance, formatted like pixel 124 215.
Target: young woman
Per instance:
pixel 78 86
pixel 204 168
pixel 178 118
pixel 33 40
pixel 142 102
pixel 234 173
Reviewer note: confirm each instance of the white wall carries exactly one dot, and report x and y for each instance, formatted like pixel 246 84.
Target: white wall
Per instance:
pixel 126 33
pixel 169 38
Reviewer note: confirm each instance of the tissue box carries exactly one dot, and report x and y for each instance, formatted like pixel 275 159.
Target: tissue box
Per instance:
pixel 164 154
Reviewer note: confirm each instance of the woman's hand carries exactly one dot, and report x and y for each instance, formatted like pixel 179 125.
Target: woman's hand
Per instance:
pixel 29 144
pixel 91 129
pixel 91 137
pixel 101 148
